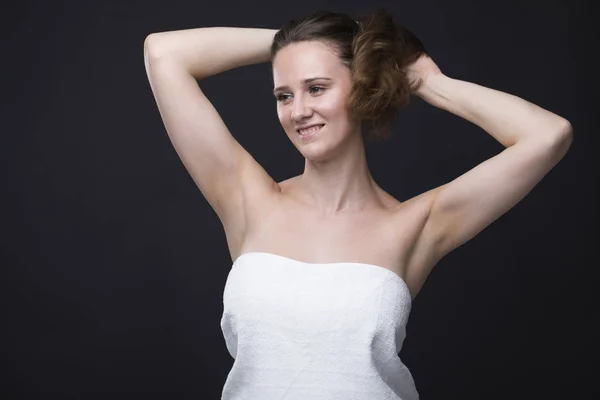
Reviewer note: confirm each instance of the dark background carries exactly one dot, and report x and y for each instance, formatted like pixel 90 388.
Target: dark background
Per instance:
pixel 113 264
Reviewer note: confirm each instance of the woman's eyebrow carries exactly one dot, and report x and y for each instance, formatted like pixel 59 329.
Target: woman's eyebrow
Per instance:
pixel 309 80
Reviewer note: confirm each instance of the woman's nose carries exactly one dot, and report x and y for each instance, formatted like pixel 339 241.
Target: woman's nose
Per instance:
pixel 299 110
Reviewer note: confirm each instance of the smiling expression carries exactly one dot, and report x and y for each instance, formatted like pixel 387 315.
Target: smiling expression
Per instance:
pixel 311 87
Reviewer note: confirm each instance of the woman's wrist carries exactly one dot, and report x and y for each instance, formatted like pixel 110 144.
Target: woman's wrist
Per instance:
pixel 433 89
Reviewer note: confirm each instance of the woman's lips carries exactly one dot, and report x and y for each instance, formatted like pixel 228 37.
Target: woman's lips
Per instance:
pixel 312 131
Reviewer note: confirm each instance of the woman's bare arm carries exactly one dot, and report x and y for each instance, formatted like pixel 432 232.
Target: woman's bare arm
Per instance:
pixel 209 51
pixel 226 174
pixel 535 140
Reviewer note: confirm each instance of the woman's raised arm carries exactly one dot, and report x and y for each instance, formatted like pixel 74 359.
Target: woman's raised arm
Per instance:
pixel 226 174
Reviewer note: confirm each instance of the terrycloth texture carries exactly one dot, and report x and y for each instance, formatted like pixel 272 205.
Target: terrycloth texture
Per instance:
pixel 304 331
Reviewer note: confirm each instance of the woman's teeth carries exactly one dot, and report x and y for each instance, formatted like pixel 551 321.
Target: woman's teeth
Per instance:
pixel 310 130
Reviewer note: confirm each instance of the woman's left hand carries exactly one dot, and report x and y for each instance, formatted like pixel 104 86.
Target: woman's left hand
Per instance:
pixel 420 71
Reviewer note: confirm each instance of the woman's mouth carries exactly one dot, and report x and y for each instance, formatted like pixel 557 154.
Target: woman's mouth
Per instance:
pixel 310 132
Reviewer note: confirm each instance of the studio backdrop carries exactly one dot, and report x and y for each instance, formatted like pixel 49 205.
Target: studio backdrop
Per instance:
pixel 113 263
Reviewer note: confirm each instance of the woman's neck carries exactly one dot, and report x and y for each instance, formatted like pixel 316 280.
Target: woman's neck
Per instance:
pixel 339 184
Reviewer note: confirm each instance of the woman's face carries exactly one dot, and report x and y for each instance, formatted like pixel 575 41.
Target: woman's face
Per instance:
pixel 311 87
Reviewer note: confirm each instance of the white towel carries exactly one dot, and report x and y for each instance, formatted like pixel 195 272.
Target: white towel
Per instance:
pixel 306 331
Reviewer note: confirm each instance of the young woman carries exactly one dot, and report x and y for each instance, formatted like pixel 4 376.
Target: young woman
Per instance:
pixel 326 264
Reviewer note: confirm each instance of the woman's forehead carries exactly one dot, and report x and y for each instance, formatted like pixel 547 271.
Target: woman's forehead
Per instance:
pixel 299 61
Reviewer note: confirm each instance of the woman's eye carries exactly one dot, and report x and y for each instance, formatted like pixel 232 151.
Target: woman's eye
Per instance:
pixel 283 97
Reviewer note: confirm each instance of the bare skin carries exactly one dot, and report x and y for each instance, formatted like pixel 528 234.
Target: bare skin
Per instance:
pixel 335 211
pixel 383 233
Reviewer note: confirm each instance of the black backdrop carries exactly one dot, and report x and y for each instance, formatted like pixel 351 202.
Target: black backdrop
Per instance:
pixel 113 264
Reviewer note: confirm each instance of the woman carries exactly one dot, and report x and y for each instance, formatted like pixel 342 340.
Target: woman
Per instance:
pixel 327 263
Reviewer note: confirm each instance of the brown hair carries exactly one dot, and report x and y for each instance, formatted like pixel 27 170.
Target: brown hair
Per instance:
pixel 377 52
